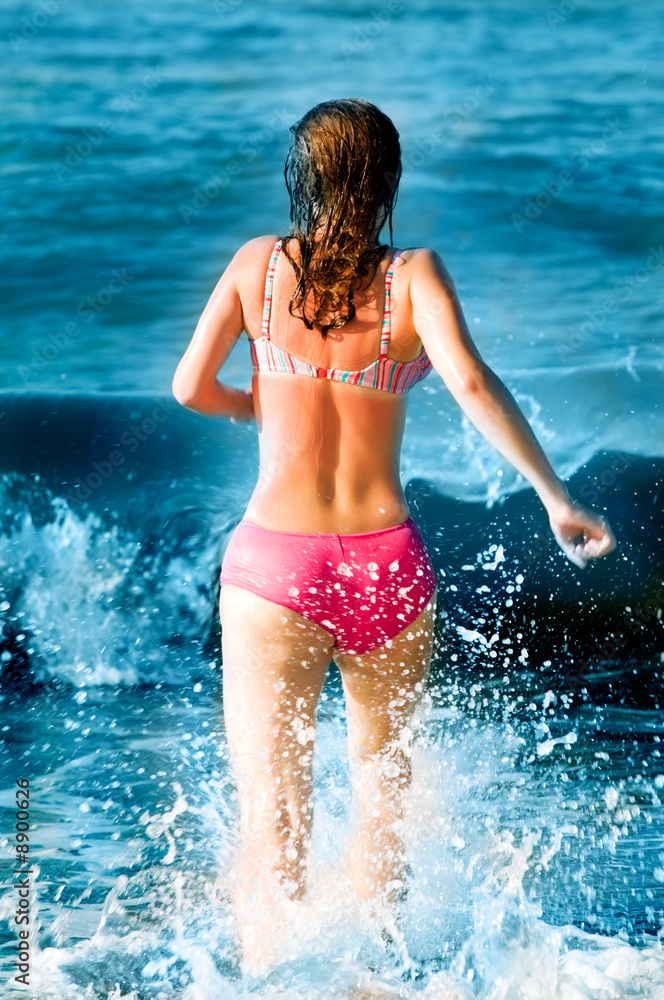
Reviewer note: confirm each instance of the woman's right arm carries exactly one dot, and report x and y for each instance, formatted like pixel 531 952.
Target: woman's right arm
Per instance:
pixel 441 326
pixel 195 383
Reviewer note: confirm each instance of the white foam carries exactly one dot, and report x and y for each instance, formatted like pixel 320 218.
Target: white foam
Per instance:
pixel 167 929
pixel 95 610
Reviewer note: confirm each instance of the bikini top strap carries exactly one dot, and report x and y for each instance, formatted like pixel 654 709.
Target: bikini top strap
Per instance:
pixel 387 311
pixel 269 281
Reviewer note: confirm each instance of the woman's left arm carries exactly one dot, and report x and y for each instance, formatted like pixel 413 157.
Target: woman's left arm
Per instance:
pixel 195 383
pixel 439 321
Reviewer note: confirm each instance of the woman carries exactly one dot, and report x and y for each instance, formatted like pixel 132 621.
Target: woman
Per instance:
pixel 326 563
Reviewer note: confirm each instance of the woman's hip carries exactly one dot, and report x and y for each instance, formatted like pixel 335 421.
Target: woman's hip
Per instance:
pixel 364 587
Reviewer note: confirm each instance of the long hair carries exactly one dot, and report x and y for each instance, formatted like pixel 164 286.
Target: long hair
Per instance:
pixel 342 172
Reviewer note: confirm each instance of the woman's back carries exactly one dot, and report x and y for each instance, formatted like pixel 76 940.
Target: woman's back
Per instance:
pixel 329 449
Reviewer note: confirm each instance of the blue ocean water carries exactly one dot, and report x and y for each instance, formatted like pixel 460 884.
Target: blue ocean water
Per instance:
pixel 143 143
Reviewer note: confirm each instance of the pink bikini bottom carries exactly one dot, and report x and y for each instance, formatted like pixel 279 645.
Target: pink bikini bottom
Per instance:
pixel 363 588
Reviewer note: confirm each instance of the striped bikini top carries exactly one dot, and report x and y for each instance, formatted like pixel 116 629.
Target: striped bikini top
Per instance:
pixel 383 373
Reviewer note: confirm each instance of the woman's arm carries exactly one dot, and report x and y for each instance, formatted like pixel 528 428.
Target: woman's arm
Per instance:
pixel 195 383
pixel 440 324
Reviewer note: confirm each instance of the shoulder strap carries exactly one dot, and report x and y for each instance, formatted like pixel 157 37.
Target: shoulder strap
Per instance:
pixel 387 311
pixel 269 281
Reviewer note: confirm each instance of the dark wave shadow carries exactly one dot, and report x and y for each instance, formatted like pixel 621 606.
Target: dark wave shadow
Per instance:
pixel 581 629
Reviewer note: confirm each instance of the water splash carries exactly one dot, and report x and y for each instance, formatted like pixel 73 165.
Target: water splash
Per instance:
pixel 94 602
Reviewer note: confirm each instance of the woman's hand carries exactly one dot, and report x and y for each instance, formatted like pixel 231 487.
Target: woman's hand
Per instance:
pixel 581 533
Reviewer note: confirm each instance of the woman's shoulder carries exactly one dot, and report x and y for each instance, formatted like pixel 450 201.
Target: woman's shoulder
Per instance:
pixel 250 260
pixel 420 256
pixel 256 248
pixel 425 261
pixel 425 270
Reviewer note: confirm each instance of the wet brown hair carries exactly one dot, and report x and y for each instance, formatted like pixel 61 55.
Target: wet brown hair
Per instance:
pixel 342 173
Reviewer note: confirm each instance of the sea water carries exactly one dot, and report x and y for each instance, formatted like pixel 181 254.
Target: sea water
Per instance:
pixel 143 144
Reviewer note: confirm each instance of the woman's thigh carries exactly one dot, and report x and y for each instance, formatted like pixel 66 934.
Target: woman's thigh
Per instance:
pixel 383 687
pixel 274 667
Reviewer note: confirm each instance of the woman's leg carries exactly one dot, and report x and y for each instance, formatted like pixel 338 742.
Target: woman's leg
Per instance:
pixel 274 664
pixel 383 688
